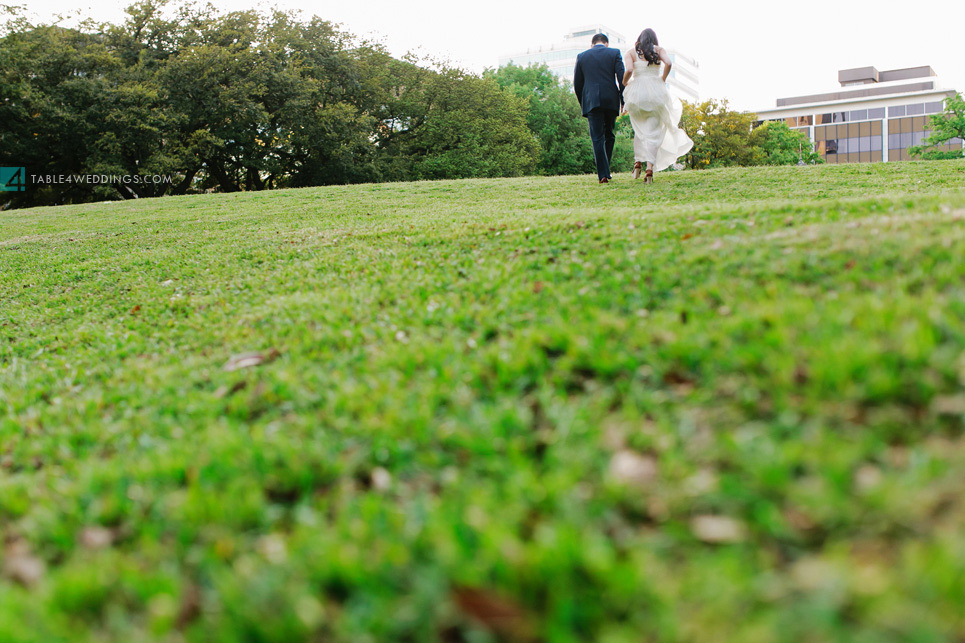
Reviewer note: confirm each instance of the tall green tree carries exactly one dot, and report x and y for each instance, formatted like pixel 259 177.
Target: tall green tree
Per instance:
pixel 777 144
pixel 721 135
pixel 267 101
pixel 947 126
pixel 244 100
pixel 52 85
pixel 452 124
pixel 554 117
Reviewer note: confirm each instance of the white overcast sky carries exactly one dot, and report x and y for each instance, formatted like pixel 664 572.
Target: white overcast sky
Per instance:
pixel 749 52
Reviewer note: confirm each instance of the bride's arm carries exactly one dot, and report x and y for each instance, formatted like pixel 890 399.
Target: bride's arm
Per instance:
pixel 665 57
pixel 628 65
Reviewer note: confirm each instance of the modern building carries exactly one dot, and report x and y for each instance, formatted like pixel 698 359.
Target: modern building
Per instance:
pixel 873 116
pixel 560 57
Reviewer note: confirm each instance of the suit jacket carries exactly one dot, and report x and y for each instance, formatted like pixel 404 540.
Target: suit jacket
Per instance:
pixel 598 79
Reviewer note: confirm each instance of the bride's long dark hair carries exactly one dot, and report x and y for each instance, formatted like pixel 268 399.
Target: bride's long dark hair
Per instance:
pixel 645 46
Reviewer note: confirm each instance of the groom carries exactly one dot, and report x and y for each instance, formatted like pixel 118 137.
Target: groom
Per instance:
pixel 598 82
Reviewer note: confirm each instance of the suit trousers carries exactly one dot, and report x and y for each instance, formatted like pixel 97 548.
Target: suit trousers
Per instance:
pixel 601 134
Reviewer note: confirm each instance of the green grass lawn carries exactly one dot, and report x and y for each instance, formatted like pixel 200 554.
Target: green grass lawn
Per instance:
pixel 725 407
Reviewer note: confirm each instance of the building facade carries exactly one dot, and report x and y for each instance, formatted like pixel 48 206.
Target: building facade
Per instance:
pixel 875 116
pixel 560 57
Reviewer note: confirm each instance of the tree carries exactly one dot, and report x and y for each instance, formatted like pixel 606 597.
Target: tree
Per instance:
pixel 244 100
pixel 451 124
pixel 946 127
pixel 721 136
pixel 267 101
pixel 52 82
pixel 554 118
pixel 778 144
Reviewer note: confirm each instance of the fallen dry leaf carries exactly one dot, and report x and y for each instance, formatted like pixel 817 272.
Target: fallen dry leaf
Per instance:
pixel 632 469
pixel 381 479
pixel 96 538
pixel 21 566
pixel 799 520
pixel 190 608
pixel 495 613
pixel 949 404
pixel 813 573
pixel 225 391
pixel 537 287
pixel 247 360
pixel 717 529
pixel 867 477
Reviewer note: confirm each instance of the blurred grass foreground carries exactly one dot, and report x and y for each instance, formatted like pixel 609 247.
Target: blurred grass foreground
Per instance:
pixel 725 407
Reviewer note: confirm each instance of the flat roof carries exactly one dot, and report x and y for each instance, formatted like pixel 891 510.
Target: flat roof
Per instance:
pixel 859 103
pixel 865 82
pixel 864 92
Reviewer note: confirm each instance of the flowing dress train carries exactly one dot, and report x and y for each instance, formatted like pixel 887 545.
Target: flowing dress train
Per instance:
pixel 654 114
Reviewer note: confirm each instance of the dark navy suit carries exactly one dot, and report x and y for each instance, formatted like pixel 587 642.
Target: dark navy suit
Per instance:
pixel 598 82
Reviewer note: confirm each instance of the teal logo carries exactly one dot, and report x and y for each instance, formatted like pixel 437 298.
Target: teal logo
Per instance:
pixel 13 179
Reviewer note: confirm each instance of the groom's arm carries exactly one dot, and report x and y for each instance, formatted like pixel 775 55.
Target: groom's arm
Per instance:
pixel 620 70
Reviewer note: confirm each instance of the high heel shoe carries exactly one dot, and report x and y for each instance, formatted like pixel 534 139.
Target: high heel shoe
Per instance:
pixel 648 177
pixel 637 168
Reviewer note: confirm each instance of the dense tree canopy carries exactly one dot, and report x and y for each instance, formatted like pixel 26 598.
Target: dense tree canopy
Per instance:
pixel 239 101
pixel 463 126
pixel 778 144
pixel 190 99
pixel 721 136
pixel 554 117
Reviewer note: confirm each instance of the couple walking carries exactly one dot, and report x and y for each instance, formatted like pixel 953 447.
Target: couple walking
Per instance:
pixel 605 84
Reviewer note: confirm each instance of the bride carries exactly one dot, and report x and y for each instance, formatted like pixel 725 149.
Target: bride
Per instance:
pixel 654 113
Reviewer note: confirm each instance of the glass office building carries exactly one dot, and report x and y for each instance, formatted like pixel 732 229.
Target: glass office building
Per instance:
pixel 875 116
pixel 560 57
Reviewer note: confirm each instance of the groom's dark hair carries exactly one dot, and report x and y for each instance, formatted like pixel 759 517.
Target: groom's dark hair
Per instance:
pixel 600 37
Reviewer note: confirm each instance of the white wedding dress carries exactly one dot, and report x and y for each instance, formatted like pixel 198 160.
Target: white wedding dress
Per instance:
pixel 654 113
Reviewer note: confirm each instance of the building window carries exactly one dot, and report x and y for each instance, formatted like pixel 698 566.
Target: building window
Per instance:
pixel 877 112
pixel 934 108
pixel 850 142
pixel 897 110
pixel 858 115
pixel 913 110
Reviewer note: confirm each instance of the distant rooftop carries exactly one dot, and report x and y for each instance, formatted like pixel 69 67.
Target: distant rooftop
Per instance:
pixel 869 75
pixel 587 32
pixel 868 82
